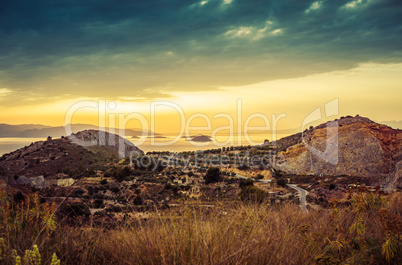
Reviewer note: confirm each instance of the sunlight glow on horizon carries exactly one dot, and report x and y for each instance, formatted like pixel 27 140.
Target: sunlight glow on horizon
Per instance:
pixel 358 90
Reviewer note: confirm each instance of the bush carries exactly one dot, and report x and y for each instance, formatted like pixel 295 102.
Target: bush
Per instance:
pixel 243 167
pixel 259 176
pixel 137 200
pixel 246 182
pixel 253 194
pixel 30 257
pixel 115 189
pixel 19 197
pixel 281 182
pixel 276 173
pixel 74 209
pixel 212 175
pixel 98 203
pixel 120 173
pixel 77 193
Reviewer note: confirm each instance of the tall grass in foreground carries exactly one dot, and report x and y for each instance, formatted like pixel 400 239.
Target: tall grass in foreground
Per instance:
pixel 367 231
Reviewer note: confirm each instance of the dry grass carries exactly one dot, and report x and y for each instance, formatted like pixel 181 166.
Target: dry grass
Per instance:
pixel 246 234
pixel 235 234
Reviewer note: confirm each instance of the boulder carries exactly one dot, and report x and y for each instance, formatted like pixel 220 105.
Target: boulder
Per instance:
pixel 65 182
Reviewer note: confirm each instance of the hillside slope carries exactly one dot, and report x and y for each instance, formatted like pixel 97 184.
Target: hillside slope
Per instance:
pixel 354 146
pixel 77 153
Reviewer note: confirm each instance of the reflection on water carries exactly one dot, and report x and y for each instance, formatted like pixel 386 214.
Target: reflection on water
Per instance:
pixel 8 145
pixel 182 144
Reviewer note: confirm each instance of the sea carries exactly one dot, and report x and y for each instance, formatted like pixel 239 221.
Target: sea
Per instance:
pixel 167 142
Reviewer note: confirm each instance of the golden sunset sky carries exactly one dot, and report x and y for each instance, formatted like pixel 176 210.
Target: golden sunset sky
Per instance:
pixel 202 57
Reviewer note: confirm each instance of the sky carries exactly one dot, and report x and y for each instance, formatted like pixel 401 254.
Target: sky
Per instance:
pixel 207 58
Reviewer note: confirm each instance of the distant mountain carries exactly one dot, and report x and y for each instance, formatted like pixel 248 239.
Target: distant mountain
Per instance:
pixel 80 152
pixel 43 131
pixel 354 146
pixel 393 124
pixel 7 130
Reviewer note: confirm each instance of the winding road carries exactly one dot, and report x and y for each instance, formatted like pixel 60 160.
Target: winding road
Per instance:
pixel 301 191
pixel 303 194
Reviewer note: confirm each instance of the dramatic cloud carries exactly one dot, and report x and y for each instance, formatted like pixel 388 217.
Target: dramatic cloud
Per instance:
pixel 147 49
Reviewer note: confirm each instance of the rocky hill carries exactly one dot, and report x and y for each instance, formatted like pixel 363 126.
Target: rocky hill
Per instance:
pixel 84 151
pixel 354 146
pixel 285 142
pixel 101 142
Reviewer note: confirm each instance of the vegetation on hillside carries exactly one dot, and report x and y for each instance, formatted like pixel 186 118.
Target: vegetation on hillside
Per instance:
pixel 366 228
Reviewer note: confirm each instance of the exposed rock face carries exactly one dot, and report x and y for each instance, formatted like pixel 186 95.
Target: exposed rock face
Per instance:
pixel 395 178
pixel 115 143
pixel 353 146
pixel 70 155
pixel 288 141
pixel 37 182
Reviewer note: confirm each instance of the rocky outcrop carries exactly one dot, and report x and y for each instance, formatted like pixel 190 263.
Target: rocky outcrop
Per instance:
pixel 91 139
pixel 37 182
pixel 395 178
pixel 65 182
pixel 286 142
pixel 74 156
pixel 354 146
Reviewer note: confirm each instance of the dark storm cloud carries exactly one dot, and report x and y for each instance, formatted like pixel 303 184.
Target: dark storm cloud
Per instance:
pixel 66 47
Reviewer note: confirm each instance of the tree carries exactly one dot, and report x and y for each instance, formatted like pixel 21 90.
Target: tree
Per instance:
pixel 281 181
pixel 276 173
pixel 259 176
pixel 75 209
pixel 246 182
pixel 250 193
pixel 212 175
